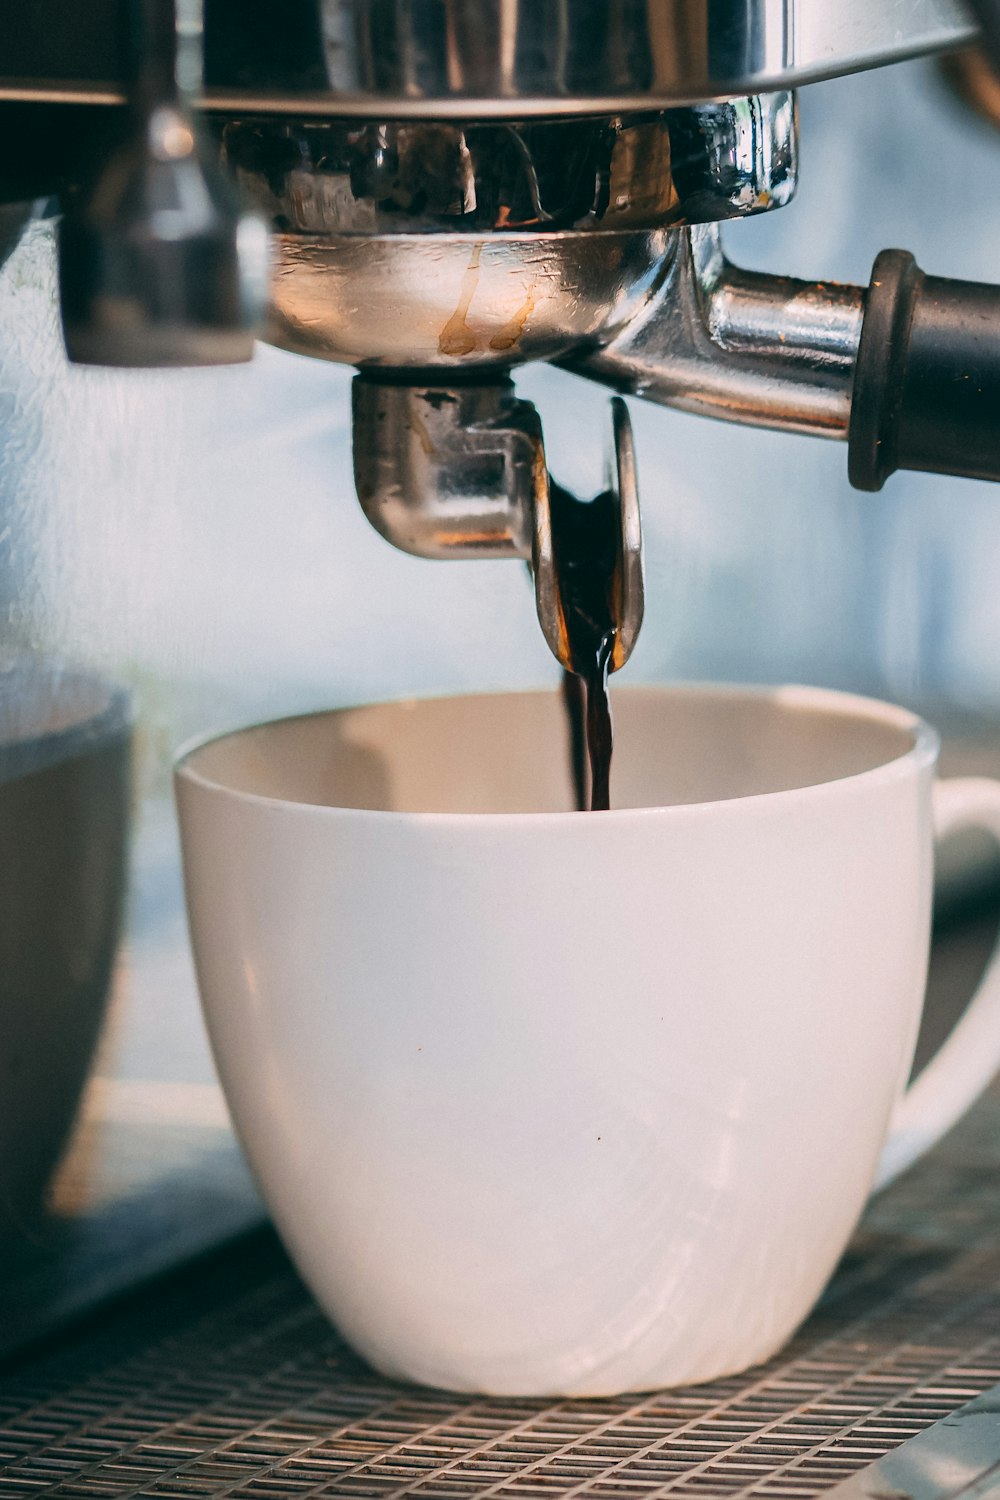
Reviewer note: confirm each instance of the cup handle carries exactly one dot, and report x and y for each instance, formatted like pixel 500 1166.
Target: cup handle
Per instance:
pixel 967 1060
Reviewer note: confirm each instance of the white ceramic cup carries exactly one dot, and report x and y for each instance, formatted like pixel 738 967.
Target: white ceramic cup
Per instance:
pixel 554 1102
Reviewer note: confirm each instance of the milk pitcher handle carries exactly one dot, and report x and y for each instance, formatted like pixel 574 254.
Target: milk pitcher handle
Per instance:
pixel 968 1059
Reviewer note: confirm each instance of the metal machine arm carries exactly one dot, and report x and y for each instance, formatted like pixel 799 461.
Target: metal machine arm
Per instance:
pixel 745 346
pixel 907 371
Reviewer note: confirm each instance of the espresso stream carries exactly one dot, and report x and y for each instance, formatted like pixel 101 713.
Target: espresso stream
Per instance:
pixel 585 549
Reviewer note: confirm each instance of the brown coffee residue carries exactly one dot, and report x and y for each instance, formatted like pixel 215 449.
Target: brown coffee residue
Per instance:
pixel 510 334
pixel 457 338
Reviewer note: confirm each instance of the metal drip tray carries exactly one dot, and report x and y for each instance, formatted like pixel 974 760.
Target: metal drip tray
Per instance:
pixel 227 1381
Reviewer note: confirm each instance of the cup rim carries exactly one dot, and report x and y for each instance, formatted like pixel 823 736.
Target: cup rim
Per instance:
pixel 923 751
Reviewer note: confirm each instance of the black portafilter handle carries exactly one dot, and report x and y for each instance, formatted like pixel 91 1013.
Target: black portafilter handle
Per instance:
pixel 927 378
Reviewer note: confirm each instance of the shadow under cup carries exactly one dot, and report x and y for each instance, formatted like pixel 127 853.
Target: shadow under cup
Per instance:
pixel 556 1102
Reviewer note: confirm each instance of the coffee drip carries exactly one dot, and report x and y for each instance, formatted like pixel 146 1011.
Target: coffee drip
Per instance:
pixel 585 541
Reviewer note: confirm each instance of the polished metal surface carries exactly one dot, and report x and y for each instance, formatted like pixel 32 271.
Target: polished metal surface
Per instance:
pixel 460 473
pixel 449 473
pixel 159 264
pixel 455 246
pixel 958 1458
pixel 625 172
pixel 630 578
pixel 628 581
pixel 483 57
pixel 768 351
pixel 458 302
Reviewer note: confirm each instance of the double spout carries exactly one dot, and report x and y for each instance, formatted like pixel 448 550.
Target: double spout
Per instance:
pixel 461 473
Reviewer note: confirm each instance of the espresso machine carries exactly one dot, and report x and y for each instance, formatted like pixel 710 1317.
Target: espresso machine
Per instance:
pixel 429 198
pixel 438 193
pixel 419 219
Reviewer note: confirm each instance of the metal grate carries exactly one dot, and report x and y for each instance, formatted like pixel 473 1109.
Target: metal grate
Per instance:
pixel 228 1382
pixel 231 1384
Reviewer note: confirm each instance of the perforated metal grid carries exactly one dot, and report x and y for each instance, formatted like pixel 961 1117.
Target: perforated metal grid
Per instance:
pixel 230 1383
pixel 227 1381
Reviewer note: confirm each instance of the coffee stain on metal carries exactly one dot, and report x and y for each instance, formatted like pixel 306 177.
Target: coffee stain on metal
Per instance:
pixel 510 334
pixel 457 338
pixel 419 428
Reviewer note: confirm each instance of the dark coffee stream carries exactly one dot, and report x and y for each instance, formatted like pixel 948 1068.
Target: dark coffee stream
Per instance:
pixel 585 546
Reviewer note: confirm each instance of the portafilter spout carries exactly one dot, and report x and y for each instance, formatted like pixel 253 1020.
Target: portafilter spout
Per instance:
pixel 460 472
